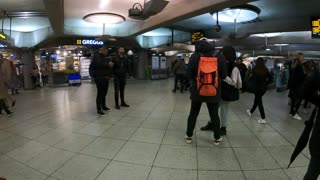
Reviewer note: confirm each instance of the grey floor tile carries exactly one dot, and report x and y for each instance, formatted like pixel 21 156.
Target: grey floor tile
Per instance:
pixel 155 124
pixel 104 148
pixel 256 127
pixel 176 138
pixel 283 154
pixel 5 135
pixel 296 173
pixel 124 171
pixel 34 132
pixel 221 175
pixel 278 174
pixel 138 153
pixel 27 151
pixel 53 137
pixel 22 172
pixel 94 129
pixel 81 167
pixel 272 139
pixel 119 132
pixel 176 157
pixel 131 121
pixel 75 142
pixel 243 140
pixel 12 142
pixel 205 139
pixel 178 124
pixel 148 135
pixel 237 127
pixel 50 160
pixel 172 174
pixel 255 159
pixel 217 159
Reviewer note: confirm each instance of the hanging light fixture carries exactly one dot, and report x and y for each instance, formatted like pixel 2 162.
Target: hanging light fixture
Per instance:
pixel 104 18
pixel 238 14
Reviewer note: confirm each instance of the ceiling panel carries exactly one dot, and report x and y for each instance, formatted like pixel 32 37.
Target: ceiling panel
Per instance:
pixel 22 5
pixel 27 24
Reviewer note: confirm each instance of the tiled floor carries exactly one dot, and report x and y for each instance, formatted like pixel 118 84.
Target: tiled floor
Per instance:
pixel 55 134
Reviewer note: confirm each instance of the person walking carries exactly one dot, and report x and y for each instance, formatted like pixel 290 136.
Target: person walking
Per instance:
pixel 206 73
pixel 120 70
pixel 179 70
pixel 101 70
pixel 296 79
pixel 260 77
pixel 45 71
pixel 35 76
pixel 5 78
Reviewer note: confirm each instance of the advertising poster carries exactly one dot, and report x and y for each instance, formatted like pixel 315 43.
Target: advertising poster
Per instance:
pixel 163 62
pixel 155 62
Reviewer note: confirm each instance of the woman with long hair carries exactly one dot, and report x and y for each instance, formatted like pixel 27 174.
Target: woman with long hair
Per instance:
pixel 261 77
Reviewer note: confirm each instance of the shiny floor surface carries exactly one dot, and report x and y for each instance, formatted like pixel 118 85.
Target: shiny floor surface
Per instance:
pixel 56 134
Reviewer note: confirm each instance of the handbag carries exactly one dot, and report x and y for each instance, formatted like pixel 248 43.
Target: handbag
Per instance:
pixel 251 84
pixel 229 93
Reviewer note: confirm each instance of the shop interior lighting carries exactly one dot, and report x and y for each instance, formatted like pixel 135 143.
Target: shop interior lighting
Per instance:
pixel 274 34
pixel 237 14
pixel 268 49
pixel 58 52
pixel 281 44
pixel 65 53
pixel 104 18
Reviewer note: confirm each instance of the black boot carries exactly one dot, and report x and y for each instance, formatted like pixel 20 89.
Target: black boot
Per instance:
pixel 208 127
pixel 117 106
pixel 123 104
pixel 223 131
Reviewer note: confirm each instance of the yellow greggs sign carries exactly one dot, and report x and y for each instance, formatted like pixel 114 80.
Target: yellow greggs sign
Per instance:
pixel 316 26
pixel 2 36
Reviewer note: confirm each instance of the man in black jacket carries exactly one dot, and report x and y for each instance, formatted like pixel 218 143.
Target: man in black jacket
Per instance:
pixel 120 69
pixel 204 48
pixel 100 69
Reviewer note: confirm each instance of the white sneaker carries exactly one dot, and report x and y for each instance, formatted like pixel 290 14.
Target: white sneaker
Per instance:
pixel 217 141
pixel 297 117
pixel 188 139
pixel 249 112
pixel 262 121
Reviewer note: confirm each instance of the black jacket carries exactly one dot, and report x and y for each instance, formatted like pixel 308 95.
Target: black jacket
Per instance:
pixel 311 88
pixel 206 49
pixel 121 66
pixel 296 76
pixel 261 81
pixel 99 67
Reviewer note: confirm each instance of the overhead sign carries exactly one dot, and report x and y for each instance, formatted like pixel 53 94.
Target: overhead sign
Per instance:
pixel 3 36
pixel 315 27
pixel 89 42
pixel 3 46
pixel 196 36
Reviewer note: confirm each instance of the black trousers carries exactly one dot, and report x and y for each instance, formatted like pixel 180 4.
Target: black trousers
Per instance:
pixel 102 90
pixel 313 169
pixel 295 105
pixel 214 116
pixel 119 87
pixel 179 78
pixel 258 103
pixel 4 106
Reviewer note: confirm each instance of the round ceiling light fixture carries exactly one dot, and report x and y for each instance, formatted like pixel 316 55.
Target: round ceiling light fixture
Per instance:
pixel 238 14
pixel 104 18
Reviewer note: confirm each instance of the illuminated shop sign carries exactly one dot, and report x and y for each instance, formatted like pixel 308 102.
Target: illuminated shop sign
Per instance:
pixel 89 42
pixel 315 27
pixel 196 36
pixel 2 36
pixel 3 46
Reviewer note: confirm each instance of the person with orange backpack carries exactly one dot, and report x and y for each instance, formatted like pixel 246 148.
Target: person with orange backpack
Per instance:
pixel 206 72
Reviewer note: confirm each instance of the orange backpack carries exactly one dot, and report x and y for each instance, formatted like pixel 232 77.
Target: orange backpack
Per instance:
pixel 207 79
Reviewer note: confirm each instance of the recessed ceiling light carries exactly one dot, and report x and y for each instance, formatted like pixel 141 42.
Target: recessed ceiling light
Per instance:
pixel 274 34
pixel 238 14
pixel 268 49
pixel 281 44
pixel 104 18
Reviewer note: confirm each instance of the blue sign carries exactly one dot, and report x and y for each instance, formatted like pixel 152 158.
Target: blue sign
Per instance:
pixel 3 46
pixel 53 56
pixel 89 42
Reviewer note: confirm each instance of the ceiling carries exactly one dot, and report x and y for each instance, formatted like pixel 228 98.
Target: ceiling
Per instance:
pixel 22 5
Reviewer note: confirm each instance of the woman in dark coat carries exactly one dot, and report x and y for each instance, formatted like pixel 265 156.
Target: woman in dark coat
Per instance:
pixel 260 74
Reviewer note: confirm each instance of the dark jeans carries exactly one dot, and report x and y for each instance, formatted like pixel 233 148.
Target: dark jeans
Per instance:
pixel 295 105
pixel 102 90
pixel 4 106
pixel 313 169
pixel 258 103
pixel 179 78
pixel 119 87
pixel 45 80
pixel 214 116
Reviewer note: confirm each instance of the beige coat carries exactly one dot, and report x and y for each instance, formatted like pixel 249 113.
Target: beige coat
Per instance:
pixel 5 77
